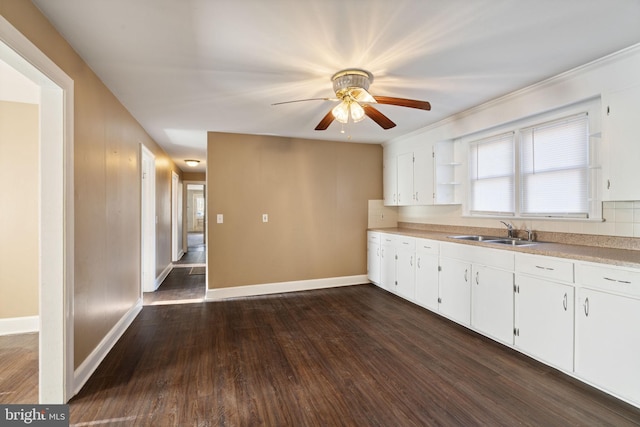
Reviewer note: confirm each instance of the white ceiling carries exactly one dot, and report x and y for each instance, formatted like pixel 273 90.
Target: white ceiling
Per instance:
pixel 185 67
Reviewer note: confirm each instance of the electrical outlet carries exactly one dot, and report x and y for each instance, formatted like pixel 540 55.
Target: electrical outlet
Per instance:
pixel 219 219
pixel 265 217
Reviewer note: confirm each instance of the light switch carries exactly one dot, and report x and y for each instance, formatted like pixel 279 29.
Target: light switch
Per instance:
pixel 219 219
pixel 265 217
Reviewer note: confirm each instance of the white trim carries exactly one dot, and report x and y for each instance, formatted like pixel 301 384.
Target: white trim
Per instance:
pixel 91 363
pixel 19 325
pixel 280 287
pixel 147 222
pixel 56 213
pixel 163 276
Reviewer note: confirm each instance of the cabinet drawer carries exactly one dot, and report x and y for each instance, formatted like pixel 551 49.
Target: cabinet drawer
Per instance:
pixel 406 243
pixel 479 255
pixel 613 279
pixel 387 239
pixel 373 237
pixel 427 246
pixel 545 267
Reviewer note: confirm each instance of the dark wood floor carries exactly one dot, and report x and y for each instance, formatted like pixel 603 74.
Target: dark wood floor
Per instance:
pixel 19 368
pixel 182 285
pixel 353 356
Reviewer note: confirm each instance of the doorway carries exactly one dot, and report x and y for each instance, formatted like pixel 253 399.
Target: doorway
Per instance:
pixel 195 221
pixel 55 212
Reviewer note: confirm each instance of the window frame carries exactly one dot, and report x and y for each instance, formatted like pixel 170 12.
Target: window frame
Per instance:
pixel 592 108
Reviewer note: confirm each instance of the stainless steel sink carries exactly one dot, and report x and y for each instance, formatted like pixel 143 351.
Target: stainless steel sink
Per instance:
pixel 513 242
pixel 477 238
pixel 494 239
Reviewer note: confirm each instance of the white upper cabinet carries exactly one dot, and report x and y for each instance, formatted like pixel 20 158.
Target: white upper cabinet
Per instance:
pixel 621 144
pixel 390 180
pixel 424 176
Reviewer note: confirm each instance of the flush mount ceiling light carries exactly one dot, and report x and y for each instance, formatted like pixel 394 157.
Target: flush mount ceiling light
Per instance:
pixel 192 163
pixel 351 88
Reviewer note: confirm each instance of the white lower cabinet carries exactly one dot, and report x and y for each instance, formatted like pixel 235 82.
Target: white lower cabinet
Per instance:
pixel 492 302
pixel 427 282
pixel 405 268
pixel 388 262
pixel 455 290
pixel 544 320
pixel 608 330
pixel 582 318
pixel 373 257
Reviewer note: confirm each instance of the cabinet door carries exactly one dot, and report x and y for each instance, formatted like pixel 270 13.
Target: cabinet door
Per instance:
pixel 405 273
pixel 388 267
pixel 427 279
pixel 390 181
pixel 423 177
pixel 405 179
pixel 492 302
pixel 622 144
pixel 373 262
pixel 544 320
pixel 608 342
pixel 455 292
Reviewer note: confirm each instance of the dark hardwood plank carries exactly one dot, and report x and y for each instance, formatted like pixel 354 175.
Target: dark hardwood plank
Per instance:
pixel 19 368
pixel 349 356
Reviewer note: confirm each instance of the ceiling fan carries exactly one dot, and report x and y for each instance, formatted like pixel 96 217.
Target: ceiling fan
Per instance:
pixel 351 88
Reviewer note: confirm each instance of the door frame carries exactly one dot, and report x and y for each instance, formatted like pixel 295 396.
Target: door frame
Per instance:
pixel 185 185
pixel 56 212
pixel 176 204
pixel 147 220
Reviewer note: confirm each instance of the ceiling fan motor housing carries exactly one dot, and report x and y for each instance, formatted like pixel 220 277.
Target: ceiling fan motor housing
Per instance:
pixel 348 79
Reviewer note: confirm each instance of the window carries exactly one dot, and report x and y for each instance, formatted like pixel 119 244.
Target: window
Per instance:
pixel 551 177
pixel 554 168
pixel 491 166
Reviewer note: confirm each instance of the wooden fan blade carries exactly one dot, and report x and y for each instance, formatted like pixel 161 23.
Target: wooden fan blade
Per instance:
pixel 326 121
pixel 303 100
pixel 375 115
pixel 402 102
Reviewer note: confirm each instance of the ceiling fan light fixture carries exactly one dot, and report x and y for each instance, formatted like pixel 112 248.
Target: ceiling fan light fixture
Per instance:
pixel 341 112
pixel 357 112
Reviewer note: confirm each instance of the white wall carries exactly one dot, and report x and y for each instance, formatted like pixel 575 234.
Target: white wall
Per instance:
pixel 590 81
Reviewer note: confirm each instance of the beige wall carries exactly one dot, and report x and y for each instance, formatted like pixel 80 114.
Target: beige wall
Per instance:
pixel 19 128
pixel 194 176
pixel 107 189
pixel 316 195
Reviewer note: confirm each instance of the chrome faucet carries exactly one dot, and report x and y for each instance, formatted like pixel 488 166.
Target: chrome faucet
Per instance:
pixel 509 229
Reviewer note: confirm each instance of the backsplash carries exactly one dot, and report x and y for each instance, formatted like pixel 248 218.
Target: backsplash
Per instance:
pixel 621 219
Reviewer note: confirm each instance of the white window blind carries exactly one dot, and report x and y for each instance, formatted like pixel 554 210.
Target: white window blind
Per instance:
pixel 554 160
pixel 491 173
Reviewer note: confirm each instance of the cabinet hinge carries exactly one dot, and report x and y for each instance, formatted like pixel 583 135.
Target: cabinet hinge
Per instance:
pixel 439 300
pixel 608 110
pixel 439 268
pixel 516 332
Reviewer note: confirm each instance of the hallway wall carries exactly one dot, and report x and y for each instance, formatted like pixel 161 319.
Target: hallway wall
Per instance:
pixel 107 189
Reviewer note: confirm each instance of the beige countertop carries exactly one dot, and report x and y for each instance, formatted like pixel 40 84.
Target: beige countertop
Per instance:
pixel 599 254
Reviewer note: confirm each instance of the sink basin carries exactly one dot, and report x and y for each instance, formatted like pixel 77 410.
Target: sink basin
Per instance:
pixel 513 242
pixel 494 239
pixel 477 238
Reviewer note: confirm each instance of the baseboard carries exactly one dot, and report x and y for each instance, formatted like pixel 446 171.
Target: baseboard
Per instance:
pixel 280 287
pixel 163 276
pixel 91 363
pixel 19 325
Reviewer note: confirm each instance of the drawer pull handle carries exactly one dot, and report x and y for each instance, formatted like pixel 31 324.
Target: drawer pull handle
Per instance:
pixel 411 261
pixel 544 268
pixel 419 262
pixel 565 302
pixel 626 282
pixel 466 271
pixel 477 277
